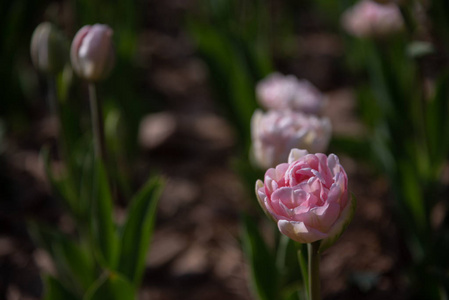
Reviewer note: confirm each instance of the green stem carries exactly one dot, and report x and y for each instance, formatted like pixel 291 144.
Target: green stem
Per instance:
pixel 314 271
pixel 97 123
pixel 52 96
pixel 302 251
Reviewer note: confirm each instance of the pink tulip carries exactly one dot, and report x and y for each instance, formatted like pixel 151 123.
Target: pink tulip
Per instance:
pixel 92 52
pixel 275 133
pixel 49 49
pixel 307 197
pixel 287 92
pixel 371 19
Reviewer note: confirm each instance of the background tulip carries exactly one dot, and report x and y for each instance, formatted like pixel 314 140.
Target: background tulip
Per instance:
pixel 92 52
pixel 275 133
pixel 371 19
pixel 307 197
pixel 287 92
pixel 49 48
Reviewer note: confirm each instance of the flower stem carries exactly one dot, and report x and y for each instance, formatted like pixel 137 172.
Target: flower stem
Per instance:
pixel 314 271
pixel 52 97
pixel 97 123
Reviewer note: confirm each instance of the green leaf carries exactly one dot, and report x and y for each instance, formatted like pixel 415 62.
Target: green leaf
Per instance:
pixel 138 230
pixel 261 261
pixel 104 235
pixel 111 286
pixel 75 265
pixel 438 123
pixel 55 290
pixel 77 262
pixel 412 195
pixel 61 186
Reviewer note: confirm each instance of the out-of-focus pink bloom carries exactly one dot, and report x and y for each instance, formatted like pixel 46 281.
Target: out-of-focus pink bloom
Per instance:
pixel 49 49
pixel 92 52
pixel 308 197
pixel 371 19
pixel 287 92
pixel 276 132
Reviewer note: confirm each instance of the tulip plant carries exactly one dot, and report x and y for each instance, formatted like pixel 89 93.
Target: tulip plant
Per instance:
pixel 407 122
pixel 308 198
pixel 99 258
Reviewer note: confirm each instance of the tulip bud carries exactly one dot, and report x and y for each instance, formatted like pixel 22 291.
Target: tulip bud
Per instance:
pixel 92 52
pixel 275 133
pixel 371 19
pixel 308 197
pixel 287 92
pixel 49 49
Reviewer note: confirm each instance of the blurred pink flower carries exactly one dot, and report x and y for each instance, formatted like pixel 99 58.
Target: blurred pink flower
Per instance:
pixel 276 132
pixel 92 52
pixel 287 92
pixel 371 19
pixel 49 49
pixel 307 197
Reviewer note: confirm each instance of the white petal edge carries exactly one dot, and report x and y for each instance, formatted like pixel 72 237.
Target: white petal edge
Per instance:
pixel 299 232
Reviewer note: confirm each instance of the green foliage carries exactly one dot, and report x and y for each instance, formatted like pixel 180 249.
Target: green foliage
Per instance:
pixel 234 45
pixel 111 286
pixel 138 230
pixel 55 290
pixel 278 272
pixel 104 234
pixel 409 139
pixel 262 263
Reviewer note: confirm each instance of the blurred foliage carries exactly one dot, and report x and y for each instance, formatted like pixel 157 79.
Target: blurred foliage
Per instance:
pixel 409 141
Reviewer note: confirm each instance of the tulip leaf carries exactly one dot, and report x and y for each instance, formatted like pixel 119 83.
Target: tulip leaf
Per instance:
pixel 111 286
pixel 262 264
pixel 138 230
pixel 55 290
pixel 438 123
pixel 74 263
pixel 61 186
pixel 104 235
pixel 77 262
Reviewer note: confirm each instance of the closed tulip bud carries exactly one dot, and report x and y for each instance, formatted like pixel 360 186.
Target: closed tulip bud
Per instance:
pixel 369 19
pixel 308 197
pixel 92 52
pixel 287 92
pixel 49 49
pixel 275 133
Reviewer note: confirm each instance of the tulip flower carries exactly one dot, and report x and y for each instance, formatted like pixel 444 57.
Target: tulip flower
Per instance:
pixel 92 52
pixel 307 197
pixel 275 133
pixel 287 92
pixel 49 49
pixel 371 19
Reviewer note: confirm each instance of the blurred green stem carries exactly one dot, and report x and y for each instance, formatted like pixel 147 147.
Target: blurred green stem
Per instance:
pixel 302 251
pixel 409 20
pixel 97 123
pixel 52 96
pixel 314 271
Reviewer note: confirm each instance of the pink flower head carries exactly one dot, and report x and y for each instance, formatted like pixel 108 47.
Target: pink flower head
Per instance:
pixel 307 197
pixel 49 48
pixel 276 132
pixel 287 92
pixel 92 52
pixel 371 19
